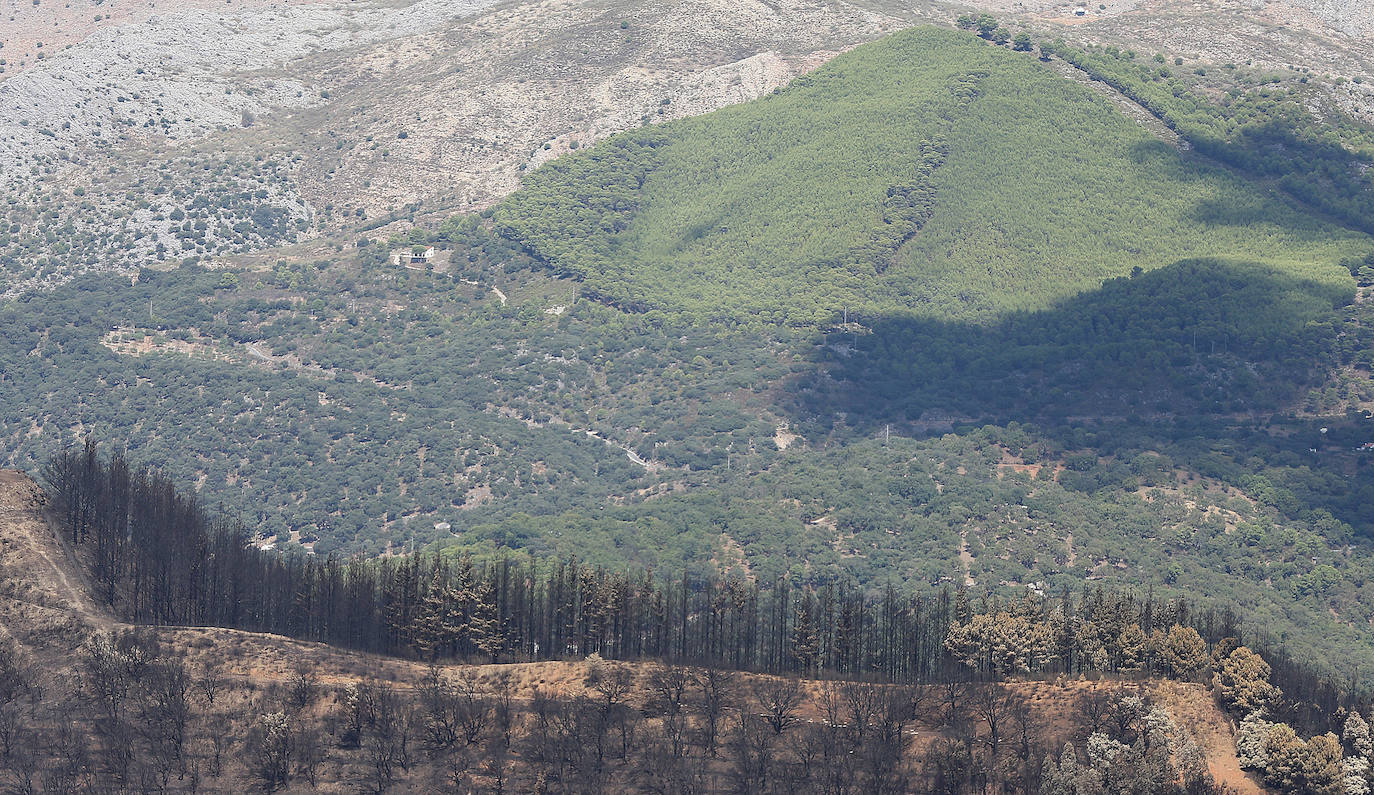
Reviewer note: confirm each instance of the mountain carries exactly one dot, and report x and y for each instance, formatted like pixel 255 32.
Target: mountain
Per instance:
pixel 612 346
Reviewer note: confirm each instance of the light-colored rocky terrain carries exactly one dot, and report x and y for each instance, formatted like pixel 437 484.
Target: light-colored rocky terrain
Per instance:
pixel 455 117
pixel 1352 17
pixel 363 107
pixel 185 74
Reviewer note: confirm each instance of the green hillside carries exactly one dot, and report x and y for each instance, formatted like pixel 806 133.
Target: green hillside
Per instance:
pixel 929 171
pixel 1020 407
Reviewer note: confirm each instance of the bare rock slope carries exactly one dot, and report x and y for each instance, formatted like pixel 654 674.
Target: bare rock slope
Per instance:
pixel 117 148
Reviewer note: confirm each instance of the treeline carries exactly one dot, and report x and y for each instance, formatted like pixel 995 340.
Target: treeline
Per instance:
pixel 1267 132
pixel 157 557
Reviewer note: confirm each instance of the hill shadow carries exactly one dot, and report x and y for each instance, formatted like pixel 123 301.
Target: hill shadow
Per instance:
pixel 1201 335
pixel 1304 216
pixel 1311 168
pixel 1202 355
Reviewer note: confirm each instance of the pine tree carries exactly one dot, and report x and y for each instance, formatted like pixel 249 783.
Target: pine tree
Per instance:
pixel 1131 647
pixel 1181 653
pixel 1356 735
pixel 1064 778
pixel 1322 773
pixel 1242 679
pixel 431 632
pixel 1356 766
pixel 1355 775
pixel 805 644
pixel 1252 740
pixel 483 626
pixel 467 618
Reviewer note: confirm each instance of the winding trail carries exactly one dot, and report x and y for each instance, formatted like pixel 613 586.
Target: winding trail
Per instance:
pixel 75 595
pixel 630 454
pixel 496 290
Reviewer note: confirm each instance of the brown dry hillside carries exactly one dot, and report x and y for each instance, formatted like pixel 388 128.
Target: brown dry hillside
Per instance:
pixel 46 609
pixel 44 602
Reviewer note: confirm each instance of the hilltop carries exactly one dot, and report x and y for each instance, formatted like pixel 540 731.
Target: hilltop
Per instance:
pixel 929 172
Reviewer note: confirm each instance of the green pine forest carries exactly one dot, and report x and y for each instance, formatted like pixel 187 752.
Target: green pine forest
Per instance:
pixel 931 314
pixel 929 173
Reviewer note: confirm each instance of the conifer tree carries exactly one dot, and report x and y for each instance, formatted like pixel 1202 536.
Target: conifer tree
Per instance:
pixel 1252 739
pixel 1131 647
pixel 483 626
pixel 805 645
pixel 1356 735
pixel 432 632
pixel 1181 652
pixel 1242 679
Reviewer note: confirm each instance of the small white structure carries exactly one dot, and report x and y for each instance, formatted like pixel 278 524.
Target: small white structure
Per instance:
pixel 409 256
pixel 1080 11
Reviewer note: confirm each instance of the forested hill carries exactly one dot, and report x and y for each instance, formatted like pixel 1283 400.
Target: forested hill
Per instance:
pixel 1196 427
pixel 930 172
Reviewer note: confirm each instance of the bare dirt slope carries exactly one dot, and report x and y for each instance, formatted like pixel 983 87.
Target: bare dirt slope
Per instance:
pixel 1189 706
pixel 44 603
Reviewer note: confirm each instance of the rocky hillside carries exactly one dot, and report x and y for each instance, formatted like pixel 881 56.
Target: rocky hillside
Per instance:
pixel 117 148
